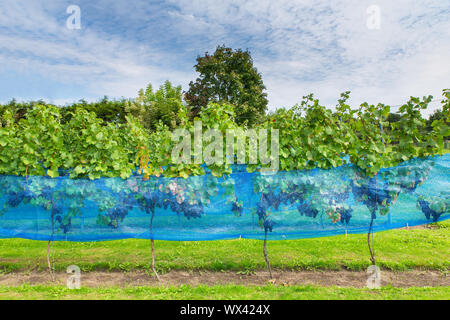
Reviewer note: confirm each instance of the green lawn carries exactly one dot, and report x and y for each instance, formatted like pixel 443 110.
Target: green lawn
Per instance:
pixel 228 292
pixel 395 250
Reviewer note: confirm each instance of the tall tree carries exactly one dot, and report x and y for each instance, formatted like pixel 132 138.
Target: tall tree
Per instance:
pixel 228 76
pixel 150 107
pixel 106 109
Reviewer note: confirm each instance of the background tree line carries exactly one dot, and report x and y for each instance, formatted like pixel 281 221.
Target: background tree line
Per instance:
pixel 225 77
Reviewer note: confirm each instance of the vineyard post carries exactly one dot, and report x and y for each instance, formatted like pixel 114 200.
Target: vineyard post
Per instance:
pixel 51 267
pixel 153 245
pixel 265 254
pixel 369 240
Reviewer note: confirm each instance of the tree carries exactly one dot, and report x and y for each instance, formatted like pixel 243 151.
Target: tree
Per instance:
pixel 151 107
pixel 108 110
pixel 19 110
pixel 393 117
pixel 438 115
pixel 439 121
pixel 228 76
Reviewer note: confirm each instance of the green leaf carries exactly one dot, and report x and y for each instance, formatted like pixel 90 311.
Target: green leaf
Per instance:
pixel 53 173
pixel 79 169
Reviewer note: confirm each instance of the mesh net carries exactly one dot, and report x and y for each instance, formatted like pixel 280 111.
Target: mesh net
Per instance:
pixel 286 205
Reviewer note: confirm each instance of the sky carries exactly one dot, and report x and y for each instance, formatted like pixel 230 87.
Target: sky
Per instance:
pixel 381 51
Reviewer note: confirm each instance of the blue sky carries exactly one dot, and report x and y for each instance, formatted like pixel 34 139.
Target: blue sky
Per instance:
pixel 324 47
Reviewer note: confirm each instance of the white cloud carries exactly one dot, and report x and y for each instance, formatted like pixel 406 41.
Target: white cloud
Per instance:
pixel 325 47
pixel 300 47
pixel 36 42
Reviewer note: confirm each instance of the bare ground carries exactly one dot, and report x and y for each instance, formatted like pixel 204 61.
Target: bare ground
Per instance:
pixel 343 278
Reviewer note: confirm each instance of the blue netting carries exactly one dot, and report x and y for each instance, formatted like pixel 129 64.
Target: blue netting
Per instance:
pixel 287 205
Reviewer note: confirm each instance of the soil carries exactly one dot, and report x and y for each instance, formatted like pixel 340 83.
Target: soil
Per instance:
pixel 343 278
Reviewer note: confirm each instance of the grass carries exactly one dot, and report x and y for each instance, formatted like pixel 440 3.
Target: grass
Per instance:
pixel 228 292
pixel 395 250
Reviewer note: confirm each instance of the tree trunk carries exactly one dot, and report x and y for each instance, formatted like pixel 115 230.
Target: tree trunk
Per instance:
pixel 50 266
pixel 370 233
pixel 265 255
pixel 50 269
pixel 153 246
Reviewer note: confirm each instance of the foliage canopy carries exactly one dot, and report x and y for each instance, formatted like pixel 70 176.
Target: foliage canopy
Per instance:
pixel 228 76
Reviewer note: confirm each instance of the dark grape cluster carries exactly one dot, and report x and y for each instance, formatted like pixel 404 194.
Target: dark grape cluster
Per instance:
pixel 237 208
pixel 57 210
pixel 188 210
pixel 192 211
pixel 268 225
pixel 120 211
pixel 372 194
pixel 270 199
pixel 305 209
pixel 291 197
pixel 425 206
pixel 15 198
pixel 150 200
pixel 46 193
pixel 173 205
pixel 57 214
pixel 65 227
pixel 116 215
pixel 345 215
pixel 262 207
pixel 273 200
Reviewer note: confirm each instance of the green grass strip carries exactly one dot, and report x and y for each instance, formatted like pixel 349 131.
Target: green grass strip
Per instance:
pixel 227 292
pixel 395 250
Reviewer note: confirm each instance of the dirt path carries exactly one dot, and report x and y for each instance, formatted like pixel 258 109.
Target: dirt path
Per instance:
pixel 342 278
